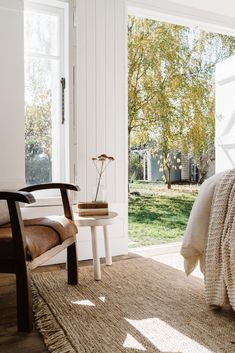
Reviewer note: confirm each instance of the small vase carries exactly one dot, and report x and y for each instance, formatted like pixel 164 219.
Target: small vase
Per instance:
pixel 98 195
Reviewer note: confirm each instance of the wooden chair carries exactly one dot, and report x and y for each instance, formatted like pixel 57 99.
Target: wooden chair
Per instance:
pixel 24 245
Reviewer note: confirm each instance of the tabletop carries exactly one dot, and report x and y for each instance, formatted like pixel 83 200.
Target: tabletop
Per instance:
pixel 89 221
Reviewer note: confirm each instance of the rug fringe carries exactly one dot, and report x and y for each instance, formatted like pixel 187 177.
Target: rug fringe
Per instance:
pixel 54 338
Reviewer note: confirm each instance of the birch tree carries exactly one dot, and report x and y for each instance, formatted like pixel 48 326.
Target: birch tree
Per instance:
pixel 171 90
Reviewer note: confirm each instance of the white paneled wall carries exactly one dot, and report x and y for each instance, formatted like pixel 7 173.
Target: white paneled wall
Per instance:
pixel 102 109
pixel 11 94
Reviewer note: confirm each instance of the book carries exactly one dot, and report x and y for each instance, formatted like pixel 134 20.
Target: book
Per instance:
pixel 93 212
pixel 92 205
pixel 93 209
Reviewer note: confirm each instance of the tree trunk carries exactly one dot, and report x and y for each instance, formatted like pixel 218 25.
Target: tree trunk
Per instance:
pixel 169 179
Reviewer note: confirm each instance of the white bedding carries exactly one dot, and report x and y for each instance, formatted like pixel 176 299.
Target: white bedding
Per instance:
pixel 196 234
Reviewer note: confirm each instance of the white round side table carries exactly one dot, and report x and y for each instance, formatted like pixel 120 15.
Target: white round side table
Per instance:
pixel 93 222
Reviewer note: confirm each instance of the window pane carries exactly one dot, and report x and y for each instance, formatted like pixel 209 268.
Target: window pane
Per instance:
pixel 41 33
pixel 43 67
pixel 41 110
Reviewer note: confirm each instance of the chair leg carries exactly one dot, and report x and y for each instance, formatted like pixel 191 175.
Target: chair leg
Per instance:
pixel 24 299
pixel 72 264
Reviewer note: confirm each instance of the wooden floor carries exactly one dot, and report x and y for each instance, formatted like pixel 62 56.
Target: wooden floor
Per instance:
pixel 10 340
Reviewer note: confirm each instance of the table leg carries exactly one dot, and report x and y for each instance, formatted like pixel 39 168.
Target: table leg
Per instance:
pixel 96 258
pixel 107 247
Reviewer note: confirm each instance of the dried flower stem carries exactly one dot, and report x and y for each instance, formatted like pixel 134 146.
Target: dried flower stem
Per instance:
pixel 105 160
pixel 99 180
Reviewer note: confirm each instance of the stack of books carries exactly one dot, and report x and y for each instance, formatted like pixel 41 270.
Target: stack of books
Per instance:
pixel 93 209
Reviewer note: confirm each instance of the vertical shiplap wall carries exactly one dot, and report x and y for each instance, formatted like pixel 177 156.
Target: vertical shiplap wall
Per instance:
pixel 11 94
pixel 102 109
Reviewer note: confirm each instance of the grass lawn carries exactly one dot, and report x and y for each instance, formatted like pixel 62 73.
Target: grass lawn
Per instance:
pixel 158 215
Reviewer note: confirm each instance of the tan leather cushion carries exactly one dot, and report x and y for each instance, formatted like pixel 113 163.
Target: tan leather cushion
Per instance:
pixel 62 225
pixel 41 235
pixel 4 213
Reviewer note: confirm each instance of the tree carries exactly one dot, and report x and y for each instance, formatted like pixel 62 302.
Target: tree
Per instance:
pixel 155 59
pixel 167 162
pixel 38 127
pixel 136 166
pixel 171 88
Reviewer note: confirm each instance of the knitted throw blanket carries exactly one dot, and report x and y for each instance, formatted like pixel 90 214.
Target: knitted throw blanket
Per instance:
pixel 220 251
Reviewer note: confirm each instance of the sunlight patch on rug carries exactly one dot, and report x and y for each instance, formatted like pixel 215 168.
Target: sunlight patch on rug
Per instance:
pixel 102 299
pixel 131 342
pixel 83 302
pixel 166 338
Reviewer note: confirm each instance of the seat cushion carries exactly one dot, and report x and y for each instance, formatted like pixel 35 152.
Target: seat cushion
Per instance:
pixel 41 234
pixel 4 213
pixel 60 224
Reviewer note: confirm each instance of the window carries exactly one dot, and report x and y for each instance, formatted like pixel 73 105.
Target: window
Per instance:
pixel 46 82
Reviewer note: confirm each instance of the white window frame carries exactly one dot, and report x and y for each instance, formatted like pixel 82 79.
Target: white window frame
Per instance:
pixel 66 157
pixel 183 15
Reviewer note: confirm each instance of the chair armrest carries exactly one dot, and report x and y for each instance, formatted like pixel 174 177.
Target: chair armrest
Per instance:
pixel 61 186
pixel 13 198
pixel 63 190
pixel 17 196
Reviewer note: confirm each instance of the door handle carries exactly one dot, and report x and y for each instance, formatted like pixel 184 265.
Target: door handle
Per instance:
pixel 62 81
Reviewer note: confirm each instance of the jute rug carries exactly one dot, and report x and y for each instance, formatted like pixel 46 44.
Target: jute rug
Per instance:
pixel 139 305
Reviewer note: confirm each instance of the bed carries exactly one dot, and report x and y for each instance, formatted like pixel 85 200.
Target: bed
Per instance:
pixel 209 238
